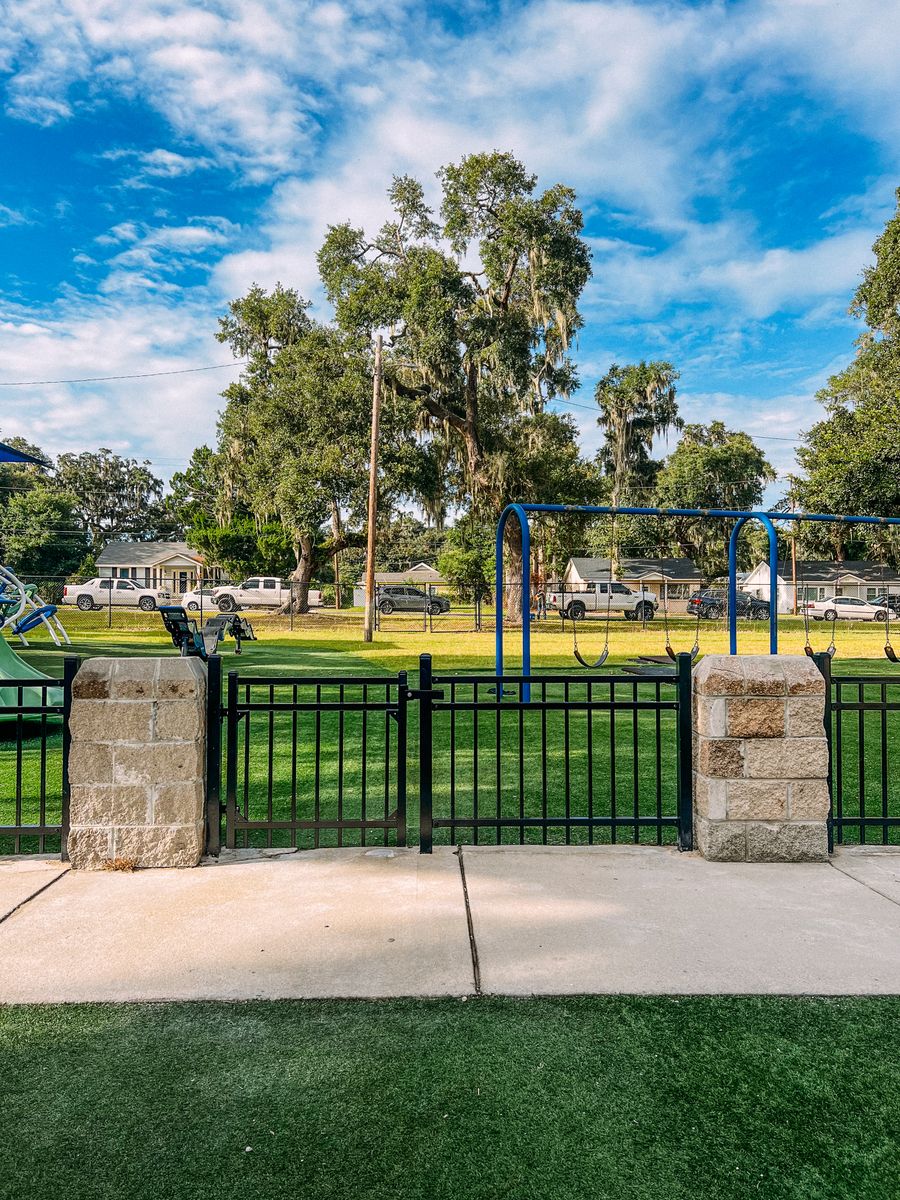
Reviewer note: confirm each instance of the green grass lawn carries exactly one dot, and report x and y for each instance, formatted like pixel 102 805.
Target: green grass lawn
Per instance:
pixel 605 765
pixel 570 1099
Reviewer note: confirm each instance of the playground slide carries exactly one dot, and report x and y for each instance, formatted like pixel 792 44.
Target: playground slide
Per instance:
pixel 12 667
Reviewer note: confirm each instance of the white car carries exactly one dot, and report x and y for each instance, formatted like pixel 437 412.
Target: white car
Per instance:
pixel 98 593
pixel 198 598
pixel 845 608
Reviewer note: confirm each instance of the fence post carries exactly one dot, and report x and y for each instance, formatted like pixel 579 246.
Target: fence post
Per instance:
pixel 231 754
pixel 823 662
pixel 70 670
pixel 426 833
pixel 402 716
pixel 214 755
pixel 685 756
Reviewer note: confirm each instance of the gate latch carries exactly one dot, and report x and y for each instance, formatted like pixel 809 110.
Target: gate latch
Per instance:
pixel 424 693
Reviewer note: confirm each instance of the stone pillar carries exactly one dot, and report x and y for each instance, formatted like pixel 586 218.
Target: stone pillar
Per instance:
pixel 137 762
pixel 760 759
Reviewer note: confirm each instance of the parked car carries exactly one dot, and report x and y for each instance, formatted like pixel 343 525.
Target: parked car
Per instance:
pixel 400 598
pixel 596 597
pixel 845 608
pixel 713 603
pixel 262 591
pixel 98 593
pixel 892 602
pixel 198 598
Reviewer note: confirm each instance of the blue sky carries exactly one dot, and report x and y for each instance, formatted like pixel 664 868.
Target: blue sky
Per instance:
pixel 734 161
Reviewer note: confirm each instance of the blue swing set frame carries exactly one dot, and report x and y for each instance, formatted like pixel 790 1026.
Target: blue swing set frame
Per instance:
pixel 767 519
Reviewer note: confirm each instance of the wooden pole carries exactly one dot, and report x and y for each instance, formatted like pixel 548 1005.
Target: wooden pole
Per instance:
pixel 369 618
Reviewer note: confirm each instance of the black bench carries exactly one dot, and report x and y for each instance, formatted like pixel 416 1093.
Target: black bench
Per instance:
pixel 201 643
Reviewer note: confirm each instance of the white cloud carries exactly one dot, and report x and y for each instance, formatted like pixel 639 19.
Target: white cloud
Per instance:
pixel 11 216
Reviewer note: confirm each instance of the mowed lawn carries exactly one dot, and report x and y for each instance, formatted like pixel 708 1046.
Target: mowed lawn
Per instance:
pixel 630 1098
pixel 506 761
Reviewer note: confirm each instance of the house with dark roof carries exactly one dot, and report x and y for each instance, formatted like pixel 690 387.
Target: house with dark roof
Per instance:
pixel 672 580
pixel 818 580
pixel 174 565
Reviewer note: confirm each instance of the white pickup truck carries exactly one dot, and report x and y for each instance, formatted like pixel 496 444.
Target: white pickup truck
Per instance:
pixel 262 591
pixel 594 597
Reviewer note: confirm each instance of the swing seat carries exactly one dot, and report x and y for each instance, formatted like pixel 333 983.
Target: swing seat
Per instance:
pixel 890 653
pixel 592 666
pixel 673 654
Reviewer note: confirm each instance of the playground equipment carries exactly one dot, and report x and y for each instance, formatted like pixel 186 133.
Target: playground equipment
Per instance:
pixel 22 610
pixel 201 643
pixel 521 513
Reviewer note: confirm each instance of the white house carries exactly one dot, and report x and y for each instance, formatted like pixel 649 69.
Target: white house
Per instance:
pixel 821 579
pixel 174 565
pixel 419 575
pixel 672 580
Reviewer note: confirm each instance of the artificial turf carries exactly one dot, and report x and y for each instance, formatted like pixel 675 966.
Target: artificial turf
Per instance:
pixel 632 1098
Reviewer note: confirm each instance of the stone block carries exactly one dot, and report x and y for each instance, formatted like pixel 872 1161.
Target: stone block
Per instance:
pixel 160 845
pixel 719 675
pixel 764 676
pixel 720 758
pixel 90 848
pixel 178 720
pixel 181 679
pixel 755 717
pixel 721 841
pixel 110 721
pixel 810 800
pixel 709 797
pixel 90 763
pixel 796 841
pixel 756 800
pixel 109 804
pixel 710 716
pixel 802 676
pixel 786 758
pixel 134 678
pixel 178 803
pixel 806 716
pixel 158 762
pixel 92 680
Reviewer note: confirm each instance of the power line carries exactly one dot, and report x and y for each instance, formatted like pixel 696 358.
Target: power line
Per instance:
pixel 110 378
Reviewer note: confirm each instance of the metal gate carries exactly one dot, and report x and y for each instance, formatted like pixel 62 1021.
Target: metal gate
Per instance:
pixel 309 761
pixel 570 759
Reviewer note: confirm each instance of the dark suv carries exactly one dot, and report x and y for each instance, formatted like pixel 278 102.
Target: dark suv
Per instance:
pixel 892 602
pixel 402 598
pixel 713 602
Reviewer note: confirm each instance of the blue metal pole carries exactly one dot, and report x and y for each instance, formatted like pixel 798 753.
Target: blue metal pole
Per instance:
pixel 732 585
pixel 526 604
pixel 498 592
pixel 773 582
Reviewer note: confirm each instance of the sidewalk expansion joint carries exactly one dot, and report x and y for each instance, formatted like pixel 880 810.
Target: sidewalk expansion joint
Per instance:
pixel 473 947
pixel 33 896
pixel 867 886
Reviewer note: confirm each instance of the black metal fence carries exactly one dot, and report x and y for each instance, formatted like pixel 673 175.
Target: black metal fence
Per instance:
pixel 555 758
pixel 862 722
pixel 312 762
pixel 34 755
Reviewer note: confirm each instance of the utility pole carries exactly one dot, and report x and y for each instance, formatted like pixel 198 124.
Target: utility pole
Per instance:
pixel 369 617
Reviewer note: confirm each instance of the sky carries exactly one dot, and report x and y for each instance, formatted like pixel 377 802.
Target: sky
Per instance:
pixel 734 163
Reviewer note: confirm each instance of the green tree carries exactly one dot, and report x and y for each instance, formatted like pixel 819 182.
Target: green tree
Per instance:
pixel 637 404
pixel 114 497
pixel 850 459
pixel 293 436
pixel 711 467
pixel 481 307
pixel 467 560
pixel 40 533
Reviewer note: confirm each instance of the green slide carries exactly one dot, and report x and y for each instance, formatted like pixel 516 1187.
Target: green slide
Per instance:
pixel 12 667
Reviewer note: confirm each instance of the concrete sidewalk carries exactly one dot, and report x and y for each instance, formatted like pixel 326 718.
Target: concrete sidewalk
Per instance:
pixel 510 920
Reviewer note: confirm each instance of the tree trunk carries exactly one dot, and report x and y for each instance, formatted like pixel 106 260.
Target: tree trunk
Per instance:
pixel 301 576
pixel 336 532
pixel 514 603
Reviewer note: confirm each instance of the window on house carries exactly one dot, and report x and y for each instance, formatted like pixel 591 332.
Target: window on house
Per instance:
pixel 872 593
pixel 680 591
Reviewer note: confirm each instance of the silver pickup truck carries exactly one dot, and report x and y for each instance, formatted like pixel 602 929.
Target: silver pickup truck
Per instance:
pixel 595 597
